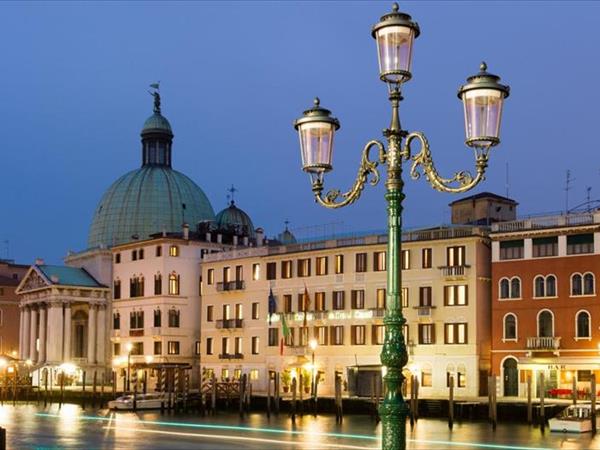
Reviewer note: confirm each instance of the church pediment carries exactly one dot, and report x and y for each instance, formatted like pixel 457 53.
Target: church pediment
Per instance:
pixel 32 281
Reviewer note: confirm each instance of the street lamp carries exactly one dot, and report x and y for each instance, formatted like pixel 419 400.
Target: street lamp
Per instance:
pixel 483 97
pixel 128 347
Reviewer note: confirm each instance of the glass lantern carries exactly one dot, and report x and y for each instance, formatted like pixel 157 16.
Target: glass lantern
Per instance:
pixel 316 129
pixel 394 34
pixel 483 97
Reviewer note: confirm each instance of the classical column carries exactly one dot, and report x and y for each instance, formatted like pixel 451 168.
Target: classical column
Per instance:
pixel 26 330
pixel 33 335
pixel 67 333
pixel 54 339
pixel 42 332
pixel 91 353
pixel 21 322
pixel 101 335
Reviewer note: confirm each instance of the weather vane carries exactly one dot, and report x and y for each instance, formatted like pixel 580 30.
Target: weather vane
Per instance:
pixel 156 95
pixel 232 190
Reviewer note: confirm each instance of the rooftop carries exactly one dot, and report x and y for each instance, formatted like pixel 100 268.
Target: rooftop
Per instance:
pixel 68 276
pixel 548 221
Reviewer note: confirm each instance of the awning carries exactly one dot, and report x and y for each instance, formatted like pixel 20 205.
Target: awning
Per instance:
pixel 559 363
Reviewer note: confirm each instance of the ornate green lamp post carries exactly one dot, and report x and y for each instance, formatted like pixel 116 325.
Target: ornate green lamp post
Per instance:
pixel 483 97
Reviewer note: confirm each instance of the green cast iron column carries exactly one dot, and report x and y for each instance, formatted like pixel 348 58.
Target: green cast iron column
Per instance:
pixel 394 410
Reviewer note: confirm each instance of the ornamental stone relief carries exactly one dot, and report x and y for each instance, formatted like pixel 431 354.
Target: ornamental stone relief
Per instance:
pixel 34 281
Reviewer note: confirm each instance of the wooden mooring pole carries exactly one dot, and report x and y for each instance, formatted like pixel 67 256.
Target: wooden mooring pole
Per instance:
pixel 593 398
pixel 451 402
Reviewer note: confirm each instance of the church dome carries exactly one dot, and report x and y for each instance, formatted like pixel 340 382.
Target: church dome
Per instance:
pixel 151 199
pixel 286 237
pixel 232 216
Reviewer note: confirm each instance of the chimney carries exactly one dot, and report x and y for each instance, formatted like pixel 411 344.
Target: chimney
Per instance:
pixel 246 241
pixel 54 279
pixel 260 237
pixel 235 240
pixel 219 238
pixel 39 261
pixel 186 231
pixel 208 237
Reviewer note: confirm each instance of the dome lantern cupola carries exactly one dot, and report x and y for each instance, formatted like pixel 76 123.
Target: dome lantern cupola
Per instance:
pixel 286 237
pixel 234 218
pixel 157 136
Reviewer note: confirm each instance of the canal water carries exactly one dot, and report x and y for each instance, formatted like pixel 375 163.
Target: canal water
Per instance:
pixel 70 427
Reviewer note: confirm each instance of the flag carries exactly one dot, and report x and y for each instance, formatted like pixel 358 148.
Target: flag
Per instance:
pixel 272 305
pixel 285 331
pixel 155 86
pixel 306 304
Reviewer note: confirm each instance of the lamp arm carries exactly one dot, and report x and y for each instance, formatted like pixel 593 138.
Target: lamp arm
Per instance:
pixel 367 168
pixel 461 181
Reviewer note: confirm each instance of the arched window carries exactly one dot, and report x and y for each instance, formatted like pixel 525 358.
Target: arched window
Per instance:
pixel 157 318
pixel 510 327
pixel 550 286
pixel 576 284
pixel 158 284
pixel 504 288
pixel 515 288
pixel 583 324
pixel 545 324
pixel 173 284
pixel 588 284
pixel 174 318
pixel 539 286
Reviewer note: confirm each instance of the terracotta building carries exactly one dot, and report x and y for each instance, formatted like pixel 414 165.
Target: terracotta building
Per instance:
pixel 10 276
pixel 545 310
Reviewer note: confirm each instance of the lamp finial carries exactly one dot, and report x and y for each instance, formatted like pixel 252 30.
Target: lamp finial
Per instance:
pixel 395 7
pixel 317 102
pixel 483 66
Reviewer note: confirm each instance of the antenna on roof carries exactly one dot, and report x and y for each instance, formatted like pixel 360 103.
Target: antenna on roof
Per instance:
pixel 588 198
pixel 507 184
pixel 568 182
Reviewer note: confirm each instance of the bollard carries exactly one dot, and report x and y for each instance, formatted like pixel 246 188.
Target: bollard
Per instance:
pixel 62 390
pixel 529 406
pixel 276 392
pixel 242 392
pixel 16 376
pixel 316 399
pixel 269 394
pixel 46 388
pixel 542 407
pixel 593 395
pixel 213 395
pixel 82 390
pixel 451 402
pixel 417 384
pixel 114 384
pixel 145 382
pixel 574 390
pixel 102 396
pixel 300 390
pixel 94 387
pixel 294 385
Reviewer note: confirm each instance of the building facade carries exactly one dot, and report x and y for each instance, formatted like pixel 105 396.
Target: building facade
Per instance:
pixel 446 299
pixel 545 310
pixel 11 275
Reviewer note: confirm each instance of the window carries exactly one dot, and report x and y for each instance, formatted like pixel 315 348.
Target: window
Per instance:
pixel 136 287
pixel 210 276
pixel 377 334
pixel 337 335
pixel 225 346
pixel 320 301
pixel 210 313
pixel 455 333
pixel 582 284
pixel 426 258
pixel 547 246
pixel 405 260
pixel 380 298
pixel 580 243
pixel 504 288
pixel 510 327
pixel 226 312
pixel 455 295
pixel 141 253
pixel 515 287
pixel 404 297
pixel 588 284
pixel 226 274
pixel 405 333
pixel 174 318
pixel 173 250
pixel 339 264
pixel 225 374
pixel 303 302
pixel 157 318
pixel 116 321
pixel 117 258
pixel 239 348
pixel 239 311
pixel 138 348
pixel 545 324
pixel 550 286
pixel 287 303
pixel 173 284
pixel 197 348
pixel 426 333
pixel 361 262
pixel 255 345
pixel 254 374
pixel 158 250
pixel 157 347
pixel 426 378
pixel 425 296
pixel 116 349
pixel 338 300
pixel 271 271
pixel 286 269
pixel 357 334
pixel 255 311
pixel 321 263
pixel 255 272
pixel 273 337
pixel 455 256
pixel 321 335
pixel 379 262
pixel 461 376
pixel 173 347
pixel 136 320
pixel 289 339
pixel 239 273
pixel 357 298
pixel 583 325
pixel 584 375
pixel 511 249
pixel 117 289
pixel 544 286
pixel 158 284
pixel 209 346
pixel 304 267
pixel 134 255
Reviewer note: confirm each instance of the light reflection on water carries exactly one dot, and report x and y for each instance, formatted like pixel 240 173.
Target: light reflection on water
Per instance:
pixel 71 427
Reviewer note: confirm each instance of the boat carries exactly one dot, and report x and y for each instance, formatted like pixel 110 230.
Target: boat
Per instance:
pixel 575 419
pixel 142 401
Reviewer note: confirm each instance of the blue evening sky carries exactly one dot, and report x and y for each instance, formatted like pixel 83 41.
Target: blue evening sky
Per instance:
pixel 234 76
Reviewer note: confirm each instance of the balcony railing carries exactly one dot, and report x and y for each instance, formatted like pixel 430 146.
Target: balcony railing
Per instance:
pixel 453 271
pixel 424 311
pixel 296 350
pixel 230 323
pixel 319 315
pixel 546 222
pixel 543 343
pixel 378 312
pixel 231 356
pixel 231 285
pixel 136 332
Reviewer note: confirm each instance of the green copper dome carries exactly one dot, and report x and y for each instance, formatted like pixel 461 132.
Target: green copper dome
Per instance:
pixel 232 216
pixel 151 199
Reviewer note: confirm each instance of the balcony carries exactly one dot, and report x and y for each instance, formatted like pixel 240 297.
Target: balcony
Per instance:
pixel 424 311
pixel 378 312
pixel 543 343
pixel 454 271
pixel 136 332
pixel 320 315
pixel 296 350
pixel 231 286
pixel 230 323
pixel 231 356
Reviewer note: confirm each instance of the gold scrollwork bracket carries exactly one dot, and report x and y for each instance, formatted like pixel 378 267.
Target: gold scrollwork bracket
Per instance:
pixel 461 181
pixel 368 168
